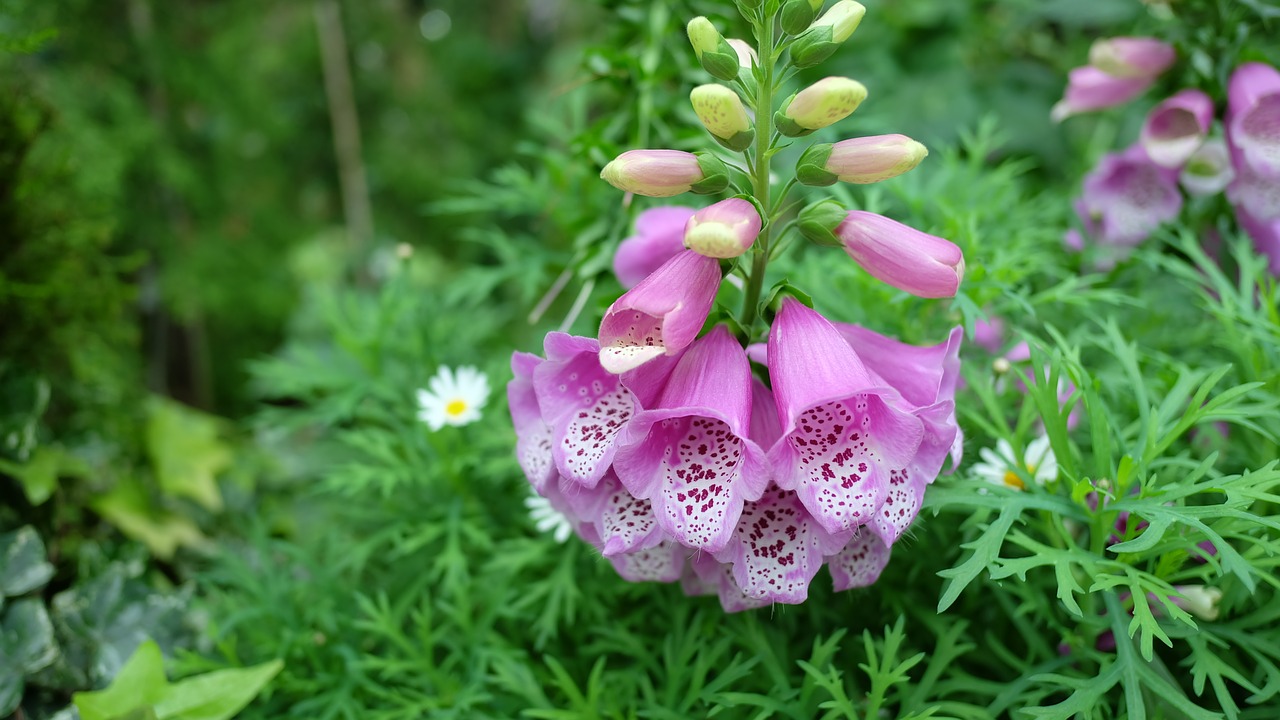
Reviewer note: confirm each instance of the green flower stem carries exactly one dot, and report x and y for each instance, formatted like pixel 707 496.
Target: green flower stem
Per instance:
pixel 759 166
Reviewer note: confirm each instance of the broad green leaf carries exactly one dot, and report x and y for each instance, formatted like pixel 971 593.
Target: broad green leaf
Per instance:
pixel 26 638
pixel 217 695
pixel 128 507
pixel 138 685
pixel 186 452
pixel 23 564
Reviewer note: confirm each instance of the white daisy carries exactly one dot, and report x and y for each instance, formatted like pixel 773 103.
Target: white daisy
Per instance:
pixel 1000 467
pixel 454 399
pixel 548 519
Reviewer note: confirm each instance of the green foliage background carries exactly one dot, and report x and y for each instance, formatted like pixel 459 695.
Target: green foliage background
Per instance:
pixel 171 229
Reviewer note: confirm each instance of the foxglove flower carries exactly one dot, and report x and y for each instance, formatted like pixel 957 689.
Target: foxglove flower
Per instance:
pixel 1253 118
pixel 1266 237
pixel 1126 197
pixel 726 229
pixel 859 563
pixel 690 453
pixel 585 406
pixel 845 439
pixel 533 434
pixel 861 160
pixel 664 173
pixel 826 34
pixel 823 103
pixel 1001 466
pixel 1089 89
pixel 1208 171
pixel 659 237
pixel 1176 128
pixel 1132 57
pixel 723 115
pixel 661 315
pixel 453 398
pixel 715 53
pixel 919 263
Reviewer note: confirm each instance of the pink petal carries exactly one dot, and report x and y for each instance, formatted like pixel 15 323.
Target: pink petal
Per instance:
pixel 663 563
pixel 533 435
pixel 659 237
pixel 860 563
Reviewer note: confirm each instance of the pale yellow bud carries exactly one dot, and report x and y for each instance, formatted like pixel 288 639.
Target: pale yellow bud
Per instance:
pixel 720 110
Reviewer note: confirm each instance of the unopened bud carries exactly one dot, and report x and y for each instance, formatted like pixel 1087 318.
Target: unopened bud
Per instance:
pixel 819 221
pixel 924 265
pixel 726 229
pixel 664 173
pixel 723 114
pixel 713 51
pixel 797 16
pixel 860 160
pixel 1132 57
pixel 821 104
pixel 825 35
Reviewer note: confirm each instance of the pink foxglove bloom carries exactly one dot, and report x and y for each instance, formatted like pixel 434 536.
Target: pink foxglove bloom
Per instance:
pixel 989 334
pixel 1266 237
pixel 916 262
pixel 533 434
pixel 1177 127
pixel 859 563
pixel 1208 171
pixel 664 173
pixel 861 160
pixel 585 406
pixel 690 452
pixel 1132 57
pixel 823 103
pixel 1089 89
pixel 661 315
pixel 726 229
pixel 659 237
pixel 1253 118
pixel 845 437
pixel 1126 197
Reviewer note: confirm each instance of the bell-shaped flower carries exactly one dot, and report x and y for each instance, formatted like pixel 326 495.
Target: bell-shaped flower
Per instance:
pixel 826 34
pixel 1266 237
pixel 585 406
pixel 1126 197
pixel 1177 127
pixel 714 53
pixel 723 115
pixel 823 103
pixel 662 563
pixel 1132 57
pixel 1089 89
pixel 1253 118
pixel 533 435
pixel 1208 171
pixel 916 262
pixel 726 229
pixel 661 315
pixel 664 173
pixel 690 452
pixel 859 563
pixel 861 160
pixel 623 523
pixel 708 576
pixel 659 237
pixel 846 439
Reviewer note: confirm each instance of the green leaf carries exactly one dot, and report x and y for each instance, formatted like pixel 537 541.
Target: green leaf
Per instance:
pixel 138 685
pixel 186 452
pixel 130 508
pixel 23 567
pixel 985 550
pixel 26 638
pixel 217 695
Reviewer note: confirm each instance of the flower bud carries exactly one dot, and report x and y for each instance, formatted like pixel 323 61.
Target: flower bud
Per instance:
pixel 714 52
pixel 819 221
pixel 723 114
pixel 749 4
pixel 796 16
pixel 825 35
pixel 1089 89
pixel 1198 600
pixel 1131 57
pixel 860 160
pixel 746 54
pixel 919 263
pixel 823 103
pixel 726 229
pixel 664 173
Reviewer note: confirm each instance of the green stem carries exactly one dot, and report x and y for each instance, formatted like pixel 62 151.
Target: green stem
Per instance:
pixel 759 167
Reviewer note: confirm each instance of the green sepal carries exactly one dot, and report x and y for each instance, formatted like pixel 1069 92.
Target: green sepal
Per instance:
pixel 723 63
pixel 811 169
pixel 818 222
pixel 797 16
pixel 738 142
pixel 813 46
pixel 785 124
pixel 773 299
pixel 715 176
pixel 749 4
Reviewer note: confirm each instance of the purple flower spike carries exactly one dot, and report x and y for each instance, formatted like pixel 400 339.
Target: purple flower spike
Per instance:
pixel 860 563
pixel 1126 197
pixel 585 407
pixel 659 237
pixel 1089 89
pixel 919 263
pixel 1253 117
pixel 845 439
pixel 777 548
pixel 1175 128
pixel 661 315
pixel 691 454
pixel 533 435
pixel 624 524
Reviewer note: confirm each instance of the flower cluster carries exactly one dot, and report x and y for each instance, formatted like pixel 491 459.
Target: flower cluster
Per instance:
pixel 1131 193
pixel 742 459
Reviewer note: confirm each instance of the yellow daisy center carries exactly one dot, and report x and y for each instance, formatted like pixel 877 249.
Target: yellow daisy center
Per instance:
pixel 455 407
pixel 1012 480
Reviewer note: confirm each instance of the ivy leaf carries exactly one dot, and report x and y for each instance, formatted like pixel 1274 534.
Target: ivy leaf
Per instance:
pixel 186 452
pixel 23 567
pixel 217 695
pixel 139 685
